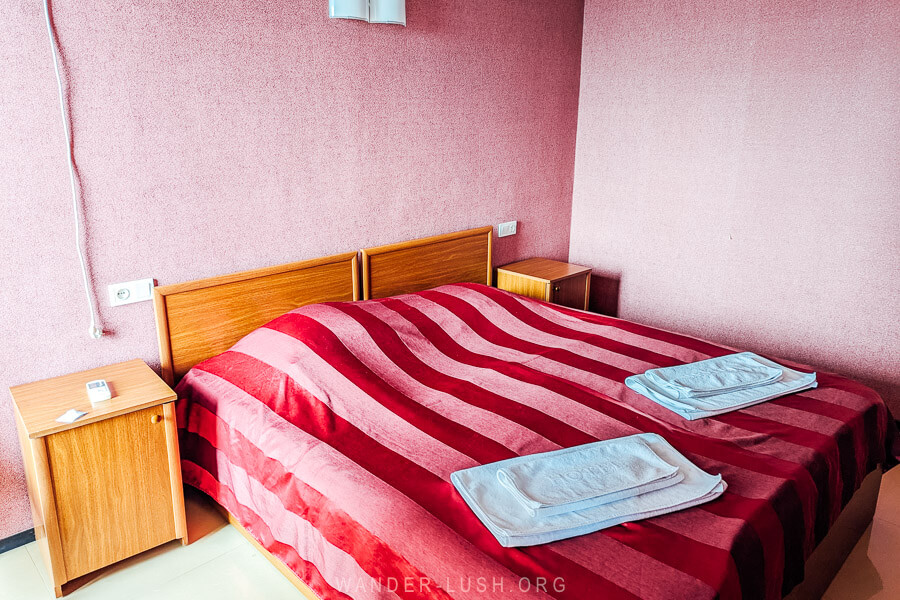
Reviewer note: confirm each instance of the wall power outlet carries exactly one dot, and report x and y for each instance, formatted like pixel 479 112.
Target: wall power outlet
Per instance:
pixel 130 291
pixel 505 229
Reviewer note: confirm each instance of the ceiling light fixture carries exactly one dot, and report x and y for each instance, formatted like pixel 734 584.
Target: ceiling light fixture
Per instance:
pixel 372 11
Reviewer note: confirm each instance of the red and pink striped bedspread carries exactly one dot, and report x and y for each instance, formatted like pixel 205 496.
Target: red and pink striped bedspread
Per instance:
pixel 331 433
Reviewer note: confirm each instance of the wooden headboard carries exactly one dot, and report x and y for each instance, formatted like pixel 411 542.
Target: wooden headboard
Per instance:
pixel 199 319
pixel 406 267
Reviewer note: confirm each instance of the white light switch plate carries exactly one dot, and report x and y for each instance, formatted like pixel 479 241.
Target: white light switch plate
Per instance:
pixel 505 229
pixel 130 291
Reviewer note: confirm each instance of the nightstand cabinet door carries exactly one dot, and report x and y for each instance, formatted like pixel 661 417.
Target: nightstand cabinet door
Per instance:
pixel 571 292
pixel 112 486
pixel 539 289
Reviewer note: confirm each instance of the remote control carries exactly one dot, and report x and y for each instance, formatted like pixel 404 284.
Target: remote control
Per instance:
pixel 98 391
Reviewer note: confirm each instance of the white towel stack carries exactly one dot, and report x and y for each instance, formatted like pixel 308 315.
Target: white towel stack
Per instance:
pixel 719 385
pixel 561 494
pixel 587 476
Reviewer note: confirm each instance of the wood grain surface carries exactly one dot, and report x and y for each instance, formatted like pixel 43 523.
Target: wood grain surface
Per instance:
pixel 114 495
pixel 133 384
pixel 199 319
pixel 416 265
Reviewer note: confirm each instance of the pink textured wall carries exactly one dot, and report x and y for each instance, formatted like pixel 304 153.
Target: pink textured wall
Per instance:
pixel 219 136
pixel 738 170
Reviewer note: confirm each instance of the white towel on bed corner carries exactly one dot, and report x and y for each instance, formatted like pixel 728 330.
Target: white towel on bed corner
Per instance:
pixel 714 376
pixel 585 476
pixel 513 525
pixel 691 408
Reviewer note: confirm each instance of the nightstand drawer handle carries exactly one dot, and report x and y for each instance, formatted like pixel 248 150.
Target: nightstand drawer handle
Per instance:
pixel 155 419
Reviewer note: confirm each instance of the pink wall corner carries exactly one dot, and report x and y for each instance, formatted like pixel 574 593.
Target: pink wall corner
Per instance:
pixel 738 173
pixel 219 136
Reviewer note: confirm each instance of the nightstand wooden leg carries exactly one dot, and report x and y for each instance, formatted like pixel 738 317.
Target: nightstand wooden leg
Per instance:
pixel 44 495
pixel 58 591
pixel 175 473
pixel 587 291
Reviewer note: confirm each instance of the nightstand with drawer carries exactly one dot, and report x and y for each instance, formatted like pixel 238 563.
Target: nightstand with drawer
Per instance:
pixel 108 485
pixel 548 280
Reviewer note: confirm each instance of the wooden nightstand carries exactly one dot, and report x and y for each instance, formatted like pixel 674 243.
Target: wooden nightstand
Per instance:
pixel 549 280
pixel 107 486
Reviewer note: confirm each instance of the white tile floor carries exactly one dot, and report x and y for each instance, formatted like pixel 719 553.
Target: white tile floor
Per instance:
pixel 222 565
pixel 872 571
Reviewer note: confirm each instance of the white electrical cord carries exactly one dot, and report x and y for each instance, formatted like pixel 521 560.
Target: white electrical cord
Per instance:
pixel 95 331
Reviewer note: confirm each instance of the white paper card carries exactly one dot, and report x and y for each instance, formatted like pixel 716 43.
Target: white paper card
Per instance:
pixel 70 416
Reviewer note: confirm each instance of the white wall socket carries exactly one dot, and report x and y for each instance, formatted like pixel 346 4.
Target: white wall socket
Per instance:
pixel 505 229
pixel 130 291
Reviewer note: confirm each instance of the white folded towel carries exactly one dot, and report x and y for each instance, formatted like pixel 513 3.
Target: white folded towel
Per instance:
pixel 512 524
pixel 577 478
pixel 714 376
pixel 698 407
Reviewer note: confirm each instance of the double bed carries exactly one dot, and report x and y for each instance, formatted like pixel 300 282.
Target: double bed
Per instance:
pixel 327 428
